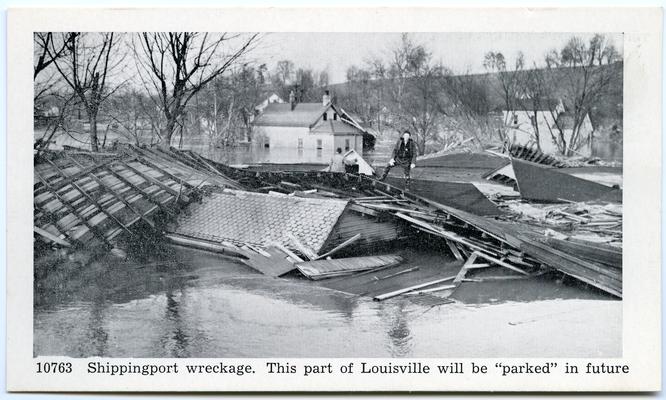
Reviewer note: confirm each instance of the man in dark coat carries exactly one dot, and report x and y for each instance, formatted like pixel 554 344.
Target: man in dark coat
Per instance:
pixel 404 155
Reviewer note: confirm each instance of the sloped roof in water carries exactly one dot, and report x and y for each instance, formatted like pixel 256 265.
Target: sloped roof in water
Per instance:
pixel 260 219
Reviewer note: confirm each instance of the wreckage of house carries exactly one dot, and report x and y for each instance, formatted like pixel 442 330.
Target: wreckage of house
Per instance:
pixel 307 223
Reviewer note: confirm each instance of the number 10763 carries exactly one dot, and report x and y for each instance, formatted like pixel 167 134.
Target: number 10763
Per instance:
pixel 54 367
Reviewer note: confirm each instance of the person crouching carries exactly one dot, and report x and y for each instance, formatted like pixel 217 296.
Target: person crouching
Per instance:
pixel 404 154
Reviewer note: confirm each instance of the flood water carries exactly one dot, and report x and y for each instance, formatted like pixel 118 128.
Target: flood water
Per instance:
pixel 187 303
pixel 205 306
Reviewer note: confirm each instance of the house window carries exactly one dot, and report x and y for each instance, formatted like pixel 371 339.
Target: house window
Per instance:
pixel 300 143
pixel 319 144
pixel 267 143
pixel 347 144
pixel 515 119
pixel 325 116
pixel 335 116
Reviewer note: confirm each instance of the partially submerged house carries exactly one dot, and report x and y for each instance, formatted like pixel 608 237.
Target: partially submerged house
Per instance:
pixel 523 123
pixel 323 127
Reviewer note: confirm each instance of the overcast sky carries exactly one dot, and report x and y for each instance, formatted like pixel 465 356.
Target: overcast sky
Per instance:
pixel 460 52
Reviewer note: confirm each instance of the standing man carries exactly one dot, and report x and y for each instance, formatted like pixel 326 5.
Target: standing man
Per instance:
pixel 404 155
pixel 337 163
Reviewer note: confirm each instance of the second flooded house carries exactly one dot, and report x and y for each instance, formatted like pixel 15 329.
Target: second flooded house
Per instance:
pixel 318 128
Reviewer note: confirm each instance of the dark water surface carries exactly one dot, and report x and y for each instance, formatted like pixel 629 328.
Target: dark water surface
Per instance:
pixel 204 306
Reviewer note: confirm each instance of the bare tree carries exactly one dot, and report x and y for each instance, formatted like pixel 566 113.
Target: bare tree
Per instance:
pixel 43 59
pixel 44 42
pixel 412 90
pixel 469 109
pixel 89 63
pixel 179 64
pixel 508 79
pixel 132 115
pixel 582 74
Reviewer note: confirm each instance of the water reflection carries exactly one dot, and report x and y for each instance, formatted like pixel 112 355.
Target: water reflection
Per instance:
pixel 397 328
pixel 97 334
pixel 175 340
pixel 194 304
pixel 607 150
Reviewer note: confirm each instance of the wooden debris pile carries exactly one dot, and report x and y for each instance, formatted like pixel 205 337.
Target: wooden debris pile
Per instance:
pixel 507 244
pixel 100 196
pixel 597 222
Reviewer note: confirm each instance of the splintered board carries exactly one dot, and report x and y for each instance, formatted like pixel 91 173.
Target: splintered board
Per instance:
pixel 375 283
pixel 321 269
pixel 274 265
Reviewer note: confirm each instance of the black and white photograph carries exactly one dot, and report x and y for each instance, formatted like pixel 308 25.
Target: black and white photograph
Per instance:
pixel 327 194
pixel 384 195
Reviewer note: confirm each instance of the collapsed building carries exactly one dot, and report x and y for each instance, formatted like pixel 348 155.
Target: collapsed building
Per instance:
pixel 334 228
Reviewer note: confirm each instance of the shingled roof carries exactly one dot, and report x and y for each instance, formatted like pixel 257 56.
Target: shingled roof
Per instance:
pixel 259 219
pixel 281 114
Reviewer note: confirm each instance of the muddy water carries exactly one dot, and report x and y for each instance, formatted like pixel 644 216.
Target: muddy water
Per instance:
pixel 198 305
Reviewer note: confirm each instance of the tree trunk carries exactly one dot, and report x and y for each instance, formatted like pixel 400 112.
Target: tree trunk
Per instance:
pixel 92 120
pixel 537 135
pixel 167 133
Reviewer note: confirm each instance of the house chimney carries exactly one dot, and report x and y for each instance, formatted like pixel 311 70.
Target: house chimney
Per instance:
pixel 292 100
pixel 326 98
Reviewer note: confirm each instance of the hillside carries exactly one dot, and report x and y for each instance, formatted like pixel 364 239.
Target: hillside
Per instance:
pixel 608 111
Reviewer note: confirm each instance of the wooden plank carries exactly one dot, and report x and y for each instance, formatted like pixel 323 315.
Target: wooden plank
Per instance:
pixel 502 263
pixel 157 182
pixel 431 290
pixel 101 208
pixel 84 171
pixel 55 221
pixel 100 235
pixel 608 279
pixel 454 250
pixel 342 266
pixel 589 251
pixel 161 170
pixel 274 265
pixel 341 246
pixel 146 195
pixel 51 236
pixel 286 251
pixel 411 288
pixel 116 195
pixel 463 270
pixel 201 244
pixel 448 235
pixel 306 251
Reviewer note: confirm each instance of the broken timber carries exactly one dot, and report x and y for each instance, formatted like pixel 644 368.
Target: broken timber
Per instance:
pixel 99 196
pixel 344 266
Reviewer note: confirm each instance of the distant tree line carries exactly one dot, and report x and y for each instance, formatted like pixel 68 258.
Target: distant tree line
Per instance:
pixel 164 88
pixel 408 89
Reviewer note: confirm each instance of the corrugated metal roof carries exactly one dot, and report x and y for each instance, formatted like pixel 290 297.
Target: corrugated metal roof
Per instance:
pixel 259 219
pixel 303 114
